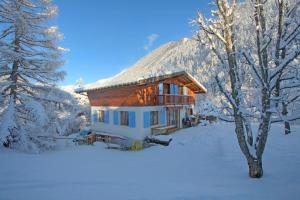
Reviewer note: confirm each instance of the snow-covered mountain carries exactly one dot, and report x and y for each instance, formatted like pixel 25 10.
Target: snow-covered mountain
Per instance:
pixel 185 54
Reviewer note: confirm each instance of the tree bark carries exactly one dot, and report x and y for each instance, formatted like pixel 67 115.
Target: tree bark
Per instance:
pixel 255 168
pixel 14 73
pixel 254 164
pixel 287 127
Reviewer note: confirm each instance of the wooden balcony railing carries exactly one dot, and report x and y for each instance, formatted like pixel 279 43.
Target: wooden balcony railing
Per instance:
pixel 169 99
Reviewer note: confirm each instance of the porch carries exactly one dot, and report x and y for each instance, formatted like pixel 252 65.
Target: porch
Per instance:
pixel 171 99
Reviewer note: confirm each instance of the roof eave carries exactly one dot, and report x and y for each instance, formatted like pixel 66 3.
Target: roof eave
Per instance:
pixel 151 79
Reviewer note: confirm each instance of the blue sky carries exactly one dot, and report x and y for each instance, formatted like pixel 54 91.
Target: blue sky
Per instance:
pixel 105 37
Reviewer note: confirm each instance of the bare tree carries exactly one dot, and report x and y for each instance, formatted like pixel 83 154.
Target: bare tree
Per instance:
pixel 220 35
pixel 287 77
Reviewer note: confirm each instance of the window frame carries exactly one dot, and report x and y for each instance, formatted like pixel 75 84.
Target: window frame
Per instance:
pixel 126 120
pixel 154 118
pixel 101 118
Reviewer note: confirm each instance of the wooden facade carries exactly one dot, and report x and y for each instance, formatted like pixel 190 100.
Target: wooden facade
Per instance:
pixel 146 92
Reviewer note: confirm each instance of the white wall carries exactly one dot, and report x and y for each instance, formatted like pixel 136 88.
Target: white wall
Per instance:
pixel 139 132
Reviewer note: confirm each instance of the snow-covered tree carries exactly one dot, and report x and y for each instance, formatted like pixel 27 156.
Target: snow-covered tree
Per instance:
pixel 79 83
pixel 253 66
pixel 286 48
pixel 29 67
pixel 67 115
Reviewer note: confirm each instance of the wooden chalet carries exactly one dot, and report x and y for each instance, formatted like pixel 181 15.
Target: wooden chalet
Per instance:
pixel 137 108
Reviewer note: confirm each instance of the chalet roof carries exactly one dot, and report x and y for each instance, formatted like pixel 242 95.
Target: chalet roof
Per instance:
pixel 182 76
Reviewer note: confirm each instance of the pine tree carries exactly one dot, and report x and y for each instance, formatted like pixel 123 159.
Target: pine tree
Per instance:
pixel 29 67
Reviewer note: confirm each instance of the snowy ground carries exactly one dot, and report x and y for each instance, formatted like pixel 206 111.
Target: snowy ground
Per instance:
pixel 200 163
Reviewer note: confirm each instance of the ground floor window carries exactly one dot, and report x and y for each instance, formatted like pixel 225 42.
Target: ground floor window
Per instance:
pixel 173 117
pixel 153 118
pixel 101 115
pixel 124 118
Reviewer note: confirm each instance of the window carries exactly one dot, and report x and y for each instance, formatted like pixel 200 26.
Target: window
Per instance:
pixel 153 118
pixel 167 88
pixel 124 118
pixel 101 115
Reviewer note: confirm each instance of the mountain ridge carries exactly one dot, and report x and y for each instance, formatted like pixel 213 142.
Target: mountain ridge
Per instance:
pixel 173 56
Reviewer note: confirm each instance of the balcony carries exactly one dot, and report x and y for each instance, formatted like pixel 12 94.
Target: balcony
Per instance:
pixel 169 99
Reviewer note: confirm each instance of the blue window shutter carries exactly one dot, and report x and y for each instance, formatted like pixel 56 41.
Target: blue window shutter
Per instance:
pixel 162 117
pixel 149 119
pixel 171 89
pixel 106 117
pixel 95 116
pixel 131 119
pixel 146 119
pixel 176 89
pixel 116 118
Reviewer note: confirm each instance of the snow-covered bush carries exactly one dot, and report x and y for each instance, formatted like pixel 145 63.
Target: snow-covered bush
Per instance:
pixel 207 107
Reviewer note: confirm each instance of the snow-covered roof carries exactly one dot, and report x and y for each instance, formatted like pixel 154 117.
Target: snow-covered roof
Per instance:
pixel 110 83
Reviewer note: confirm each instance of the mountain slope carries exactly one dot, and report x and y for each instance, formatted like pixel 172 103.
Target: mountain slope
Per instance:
pixel 185 54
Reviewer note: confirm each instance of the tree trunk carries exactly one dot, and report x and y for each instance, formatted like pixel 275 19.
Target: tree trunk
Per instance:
pixel 14 73
pixel 287 127
pixel 255 168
